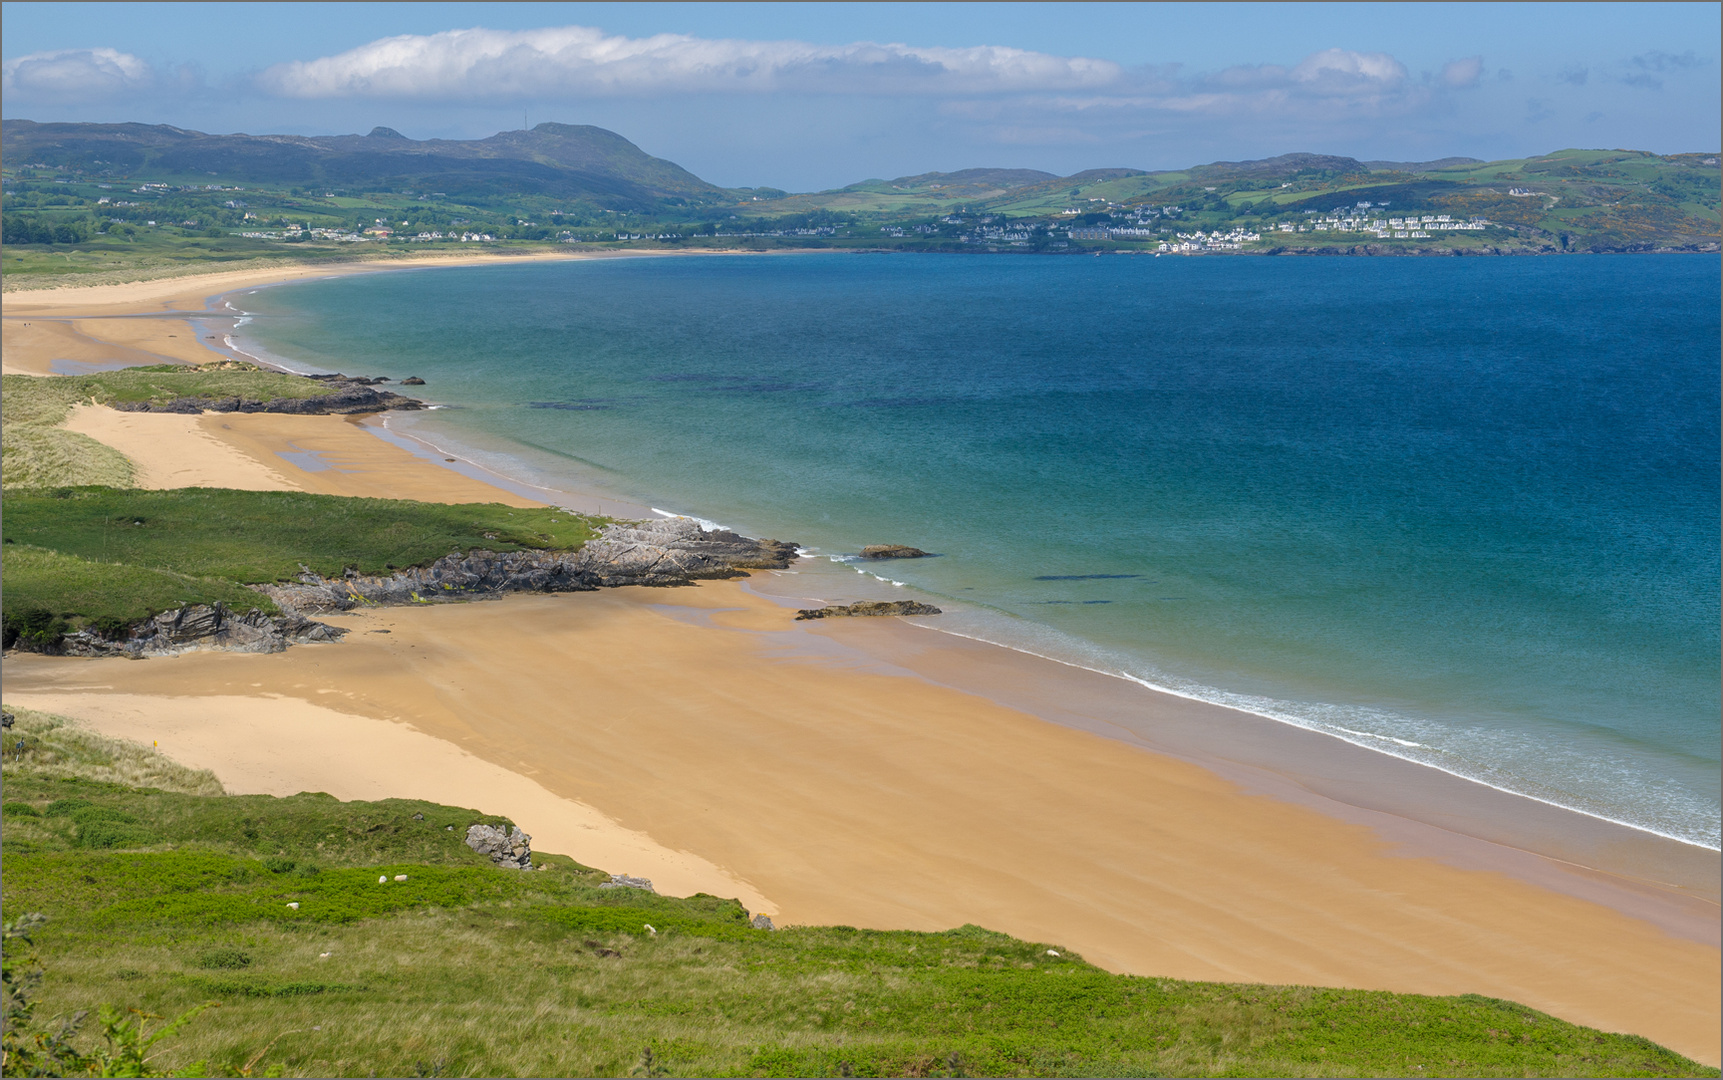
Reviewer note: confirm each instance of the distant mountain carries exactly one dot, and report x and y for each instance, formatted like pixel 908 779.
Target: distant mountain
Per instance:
pixel 974 178
pixel 1441 162
pixel 559 160
pixel 1283 165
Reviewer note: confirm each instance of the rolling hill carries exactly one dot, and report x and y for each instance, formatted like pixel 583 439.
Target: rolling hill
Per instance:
pixel 565 161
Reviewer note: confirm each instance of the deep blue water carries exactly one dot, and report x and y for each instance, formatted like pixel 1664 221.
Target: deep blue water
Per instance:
pixel 1463 510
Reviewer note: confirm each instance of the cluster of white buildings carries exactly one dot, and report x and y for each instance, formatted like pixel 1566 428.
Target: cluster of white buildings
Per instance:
pixel 996 234
pixel 1212 241
pixel 1399 228
pixel 463 237
pixel 823 230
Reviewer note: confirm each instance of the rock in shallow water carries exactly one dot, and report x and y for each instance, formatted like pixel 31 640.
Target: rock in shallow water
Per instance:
pixel 868 607
pixel 892 551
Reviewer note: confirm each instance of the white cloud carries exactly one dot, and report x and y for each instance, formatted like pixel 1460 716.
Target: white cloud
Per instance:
pixel 1467 71
pixel 492 64
pixel 1342 72
pixel 1325 84
pixel 76 73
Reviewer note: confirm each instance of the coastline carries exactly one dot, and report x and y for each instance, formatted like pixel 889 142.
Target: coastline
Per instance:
pixel 1389 816
pixel 848 792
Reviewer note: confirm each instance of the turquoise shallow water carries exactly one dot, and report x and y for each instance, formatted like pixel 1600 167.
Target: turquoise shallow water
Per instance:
pixel 1462 510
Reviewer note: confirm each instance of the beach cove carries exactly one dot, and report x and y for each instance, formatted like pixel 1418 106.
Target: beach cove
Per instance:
pixel 886 775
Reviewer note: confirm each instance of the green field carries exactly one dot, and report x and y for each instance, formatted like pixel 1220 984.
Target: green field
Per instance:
pixel 83 549
pixel 35 452
pixel 162 898
pixel 71 223
pixel 109 557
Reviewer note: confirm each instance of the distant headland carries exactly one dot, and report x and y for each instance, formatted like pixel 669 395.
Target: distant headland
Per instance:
pixel 85 199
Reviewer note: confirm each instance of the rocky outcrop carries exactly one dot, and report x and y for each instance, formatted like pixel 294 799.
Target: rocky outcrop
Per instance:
pixel 892 551
pixel 675 551
pixel 762 922
pixel 868 607
pixel 202 626
pixel 670 552
pixel 354 395
pixel 509 850
pixel 623 881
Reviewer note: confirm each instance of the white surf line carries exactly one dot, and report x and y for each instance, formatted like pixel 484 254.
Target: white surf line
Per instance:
pixel 1291 721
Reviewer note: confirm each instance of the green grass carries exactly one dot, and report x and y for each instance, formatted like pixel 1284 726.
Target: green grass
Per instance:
pixel 37 455
pixel 33 400
pixel 83 549
pixel 35 452
pixel 163 899
pixel 109 557
pixel 264 536
pixel 43 747
pixel 71 587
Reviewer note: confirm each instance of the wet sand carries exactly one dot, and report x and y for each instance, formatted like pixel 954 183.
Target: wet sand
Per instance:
pixel 845 793
pixel 875 773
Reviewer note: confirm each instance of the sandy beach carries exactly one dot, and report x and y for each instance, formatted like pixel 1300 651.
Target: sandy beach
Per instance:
pixel 133 323
pixel 874 773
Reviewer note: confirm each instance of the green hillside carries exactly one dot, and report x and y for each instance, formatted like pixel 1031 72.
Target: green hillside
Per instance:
pixel 564 161
pixel 101 202
pixel 365 938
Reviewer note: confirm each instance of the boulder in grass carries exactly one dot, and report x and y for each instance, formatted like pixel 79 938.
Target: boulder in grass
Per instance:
pixel 623 881
pixel 868 607
pixel 509 850
pixel 762 922
pixel 892 551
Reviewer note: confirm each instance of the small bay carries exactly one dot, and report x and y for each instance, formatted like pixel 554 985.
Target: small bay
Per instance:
pixel 1462 510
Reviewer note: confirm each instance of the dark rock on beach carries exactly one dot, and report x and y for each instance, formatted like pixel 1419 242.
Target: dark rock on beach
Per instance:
pixel 202 626
pixel 868 607
pixel 676 551
pixel 670 552
pixel 350 396
pixel 892 551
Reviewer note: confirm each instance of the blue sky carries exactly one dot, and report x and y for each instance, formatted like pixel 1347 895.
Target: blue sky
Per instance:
pixel 809 96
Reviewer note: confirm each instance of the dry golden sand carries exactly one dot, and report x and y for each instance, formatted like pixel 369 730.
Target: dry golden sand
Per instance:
pixel 698 717
pixel 174 451
pixel 274 746
pixel 697 724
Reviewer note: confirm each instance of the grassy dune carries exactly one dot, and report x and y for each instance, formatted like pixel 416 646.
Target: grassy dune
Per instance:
pixel 107 557
pixel 36 453
pixel 168 895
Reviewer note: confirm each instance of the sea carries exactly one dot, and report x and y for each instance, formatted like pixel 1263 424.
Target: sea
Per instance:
pixel 1464 511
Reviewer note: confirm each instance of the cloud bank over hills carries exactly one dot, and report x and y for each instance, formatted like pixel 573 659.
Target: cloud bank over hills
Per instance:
pixel 808 114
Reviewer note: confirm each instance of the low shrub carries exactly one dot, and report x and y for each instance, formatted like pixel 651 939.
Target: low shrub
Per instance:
pixel 223 959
